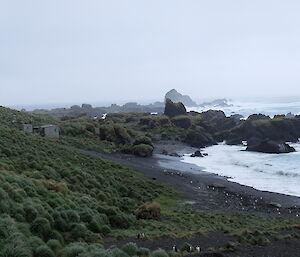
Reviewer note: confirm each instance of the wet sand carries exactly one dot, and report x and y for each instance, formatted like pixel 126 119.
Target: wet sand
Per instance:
pixel 205 191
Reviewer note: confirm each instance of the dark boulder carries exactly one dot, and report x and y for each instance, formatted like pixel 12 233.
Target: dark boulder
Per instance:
pixel 261 127
pixel 175 154
pixel 197 154
pixel 174 109
pixel 254 141
pixel 212 115
pixel 215 121
pixel 268 146
pixel 279 130
pixel 237 118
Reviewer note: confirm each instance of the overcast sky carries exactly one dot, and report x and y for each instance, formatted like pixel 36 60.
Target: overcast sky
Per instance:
pixel 56 51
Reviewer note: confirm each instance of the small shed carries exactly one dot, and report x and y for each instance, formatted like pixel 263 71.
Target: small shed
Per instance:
pixel 97 131
pixel 27 128
pixel 51 131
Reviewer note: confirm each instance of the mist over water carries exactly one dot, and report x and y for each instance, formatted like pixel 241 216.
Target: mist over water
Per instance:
pixel 267 106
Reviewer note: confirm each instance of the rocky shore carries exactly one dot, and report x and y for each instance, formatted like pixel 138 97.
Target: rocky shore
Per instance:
pixel 204 191
pixel 209 194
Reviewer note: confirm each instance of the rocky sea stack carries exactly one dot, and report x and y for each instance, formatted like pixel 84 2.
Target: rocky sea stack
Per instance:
pixel 174 109
pixel 177 97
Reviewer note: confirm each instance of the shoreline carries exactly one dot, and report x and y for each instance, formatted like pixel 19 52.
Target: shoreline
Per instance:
pixel 277 173
pixel 205 191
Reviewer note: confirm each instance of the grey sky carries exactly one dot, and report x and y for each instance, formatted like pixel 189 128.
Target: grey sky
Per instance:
pixel 55 51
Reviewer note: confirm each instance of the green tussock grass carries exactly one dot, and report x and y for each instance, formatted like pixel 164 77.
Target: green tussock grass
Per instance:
pixel 53 196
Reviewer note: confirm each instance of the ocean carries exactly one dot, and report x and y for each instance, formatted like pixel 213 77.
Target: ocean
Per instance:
pixel 278 173
pixel 267 106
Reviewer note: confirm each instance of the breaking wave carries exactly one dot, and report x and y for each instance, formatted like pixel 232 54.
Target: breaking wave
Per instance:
pixel 269 172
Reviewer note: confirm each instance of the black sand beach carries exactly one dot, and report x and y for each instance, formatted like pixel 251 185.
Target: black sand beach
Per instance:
pixel 213 194
pixel 205 191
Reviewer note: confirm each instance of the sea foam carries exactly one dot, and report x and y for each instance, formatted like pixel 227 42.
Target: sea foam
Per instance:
pixel 265 106
pixel 268 172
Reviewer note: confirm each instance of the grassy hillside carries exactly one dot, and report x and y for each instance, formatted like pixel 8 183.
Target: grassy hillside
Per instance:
pixel 57 202
pixel 12 118
pixel 50 193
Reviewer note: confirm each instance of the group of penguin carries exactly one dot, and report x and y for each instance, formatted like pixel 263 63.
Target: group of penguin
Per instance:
pixel 174 248
pixel 191 249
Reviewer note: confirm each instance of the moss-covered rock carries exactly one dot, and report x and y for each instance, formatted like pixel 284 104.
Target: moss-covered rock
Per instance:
pixel 142 150
pixel 153 122
pixel 143 140
pixel 198 137
pixel 174 109
pixel 148 211
pixel 277 129
pixel 182 121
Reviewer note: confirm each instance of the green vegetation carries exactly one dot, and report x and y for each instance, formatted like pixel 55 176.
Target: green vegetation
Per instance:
pixel 91 134
pixel 15 119
pixel 142 150
pixel 159 253
pixel 123 131
pixel 182 121
pixel 131 249
pixel 87 133
pixel 58 196
pixel 148 211
pixel 58 202
pixel 260 126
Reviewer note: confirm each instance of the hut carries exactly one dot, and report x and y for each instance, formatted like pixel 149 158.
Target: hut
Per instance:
pixel 51 131
pixel 27 128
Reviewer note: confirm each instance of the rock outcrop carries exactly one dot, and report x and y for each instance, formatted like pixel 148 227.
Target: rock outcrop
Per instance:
pixel 216 103
pixel 214 121
pixel 268 146
pixel 174 109
pixel 182 121
pixel 258 117
pixel 198 137
pixel 142 150
pixel 262 127
pixel 197 154
pixel 177 97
